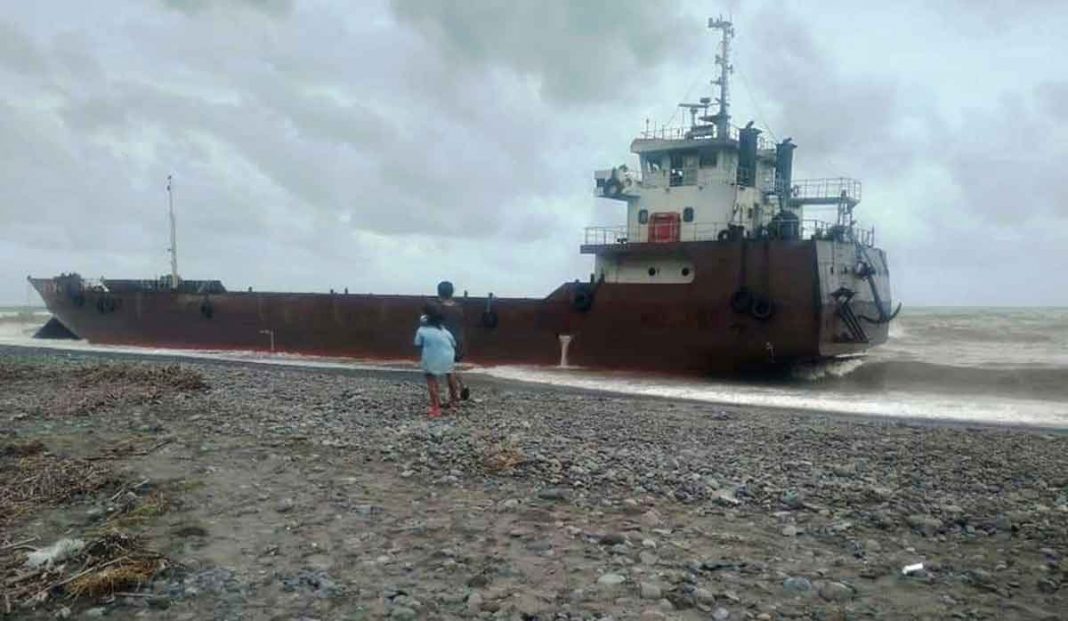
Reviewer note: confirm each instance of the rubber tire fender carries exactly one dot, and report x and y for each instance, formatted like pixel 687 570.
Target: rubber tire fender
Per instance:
pixel 742 301
pixel 762 308
pixel 489 319
pixel 105 304
pixel 583 299
pixel 612 187
pixel 206 309
pixel 723 235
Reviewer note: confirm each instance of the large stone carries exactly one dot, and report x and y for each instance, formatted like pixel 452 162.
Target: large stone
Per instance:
pixel 611 580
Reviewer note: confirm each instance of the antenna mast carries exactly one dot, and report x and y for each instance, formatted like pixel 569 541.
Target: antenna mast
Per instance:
pixel 723 59
pixel 174 240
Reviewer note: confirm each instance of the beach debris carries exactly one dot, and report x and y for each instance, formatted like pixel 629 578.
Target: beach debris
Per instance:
pixel 35 478
pixel 100 386
pixel 909 570
pixel 55 553
pixel 114 562
pixel 502 456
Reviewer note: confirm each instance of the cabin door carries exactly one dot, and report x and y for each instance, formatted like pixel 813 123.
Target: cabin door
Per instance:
pixel 663 227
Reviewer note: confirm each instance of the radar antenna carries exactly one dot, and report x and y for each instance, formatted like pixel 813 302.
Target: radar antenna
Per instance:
pixel 723 59
pixel 174 239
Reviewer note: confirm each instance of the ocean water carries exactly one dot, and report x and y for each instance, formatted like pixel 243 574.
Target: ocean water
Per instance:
pixel 990 365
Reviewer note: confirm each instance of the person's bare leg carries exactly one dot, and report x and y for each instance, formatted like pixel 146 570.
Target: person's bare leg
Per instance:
pixel 435 399
pixel 454 389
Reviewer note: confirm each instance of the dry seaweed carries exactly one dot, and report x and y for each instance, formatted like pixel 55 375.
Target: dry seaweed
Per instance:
pixel 101 386
pixel 113 562
pixel 32 478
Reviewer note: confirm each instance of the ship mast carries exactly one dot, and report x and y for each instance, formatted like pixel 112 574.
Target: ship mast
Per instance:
pixel 174 239
pixel 723 59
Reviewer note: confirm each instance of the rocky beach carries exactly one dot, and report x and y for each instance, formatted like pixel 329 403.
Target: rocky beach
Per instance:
pixel 199 490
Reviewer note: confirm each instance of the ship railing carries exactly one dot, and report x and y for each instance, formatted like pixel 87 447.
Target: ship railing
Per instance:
pixel 711 231
pixel 698 132
pixel 825 191
pixel 824 230
pixel 659 178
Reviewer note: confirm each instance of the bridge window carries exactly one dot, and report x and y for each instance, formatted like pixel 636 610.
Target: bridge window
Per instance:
pixel 687 214
pixel 709 159
pixel 643 216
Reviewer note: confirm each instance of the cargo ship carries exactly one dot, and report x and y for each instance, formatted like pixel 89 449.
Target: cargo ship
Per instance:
pixel 718 268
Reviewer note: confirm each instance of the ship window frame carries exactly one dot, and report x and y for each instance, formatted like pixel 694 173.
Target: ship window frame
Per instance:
pixel 687 214
pixel 643 216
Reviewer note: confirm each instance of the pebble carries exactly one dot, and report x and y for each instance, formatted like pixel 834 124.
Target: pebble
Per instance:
pixel 651 519
pixel 554 493
pixel 285 505
pixel 95 613
pixel 474 602
pixel 611 579
pixel 790 530
pixel 612 539
pixel 721 614
pixel 925 524
pixel 403 613
pixel 704 596
pixel 649 590
pixel 836 592
pixel 797 585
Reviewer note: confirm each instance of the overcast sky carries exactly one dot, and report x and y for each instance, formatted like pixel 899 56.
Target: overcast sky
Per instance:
pixel 385 145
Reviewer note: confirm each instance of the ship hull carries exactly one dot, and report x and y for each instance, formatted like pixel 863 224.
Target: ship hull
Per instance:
pixel 689 327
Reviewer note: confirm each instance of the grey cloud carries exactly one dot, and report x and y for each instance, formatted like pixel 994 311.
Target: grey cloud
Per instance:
pixel 852 120
pixel 1006 157
pixel 577 51
pixel 17 51
pixel 277 7
pixel 1053 100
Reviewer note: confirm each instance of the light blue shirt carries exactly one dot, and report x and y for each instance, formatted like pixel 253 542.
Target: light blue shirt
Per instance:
pixel 439 349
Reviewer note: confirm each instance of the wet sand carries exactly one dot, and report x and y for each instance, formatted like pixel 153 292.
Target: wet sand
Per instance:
pixel 324 494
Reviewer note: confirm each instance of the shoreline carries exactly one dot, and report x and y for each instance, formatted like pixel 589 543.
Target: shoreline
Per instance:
pixel 368 369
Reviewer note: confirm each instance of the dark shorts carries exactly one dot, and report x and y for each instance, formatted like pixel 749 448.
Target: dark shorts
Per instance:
pixel 459 355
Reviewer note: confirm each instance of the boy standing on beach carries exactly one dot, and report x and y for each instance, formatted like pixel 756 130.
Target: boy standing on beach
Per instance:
pixel 454 323
pixel 438 359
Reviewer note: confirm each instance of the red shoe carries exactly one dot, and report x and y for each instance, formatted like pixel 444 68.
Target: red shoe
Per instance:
pixel 435 413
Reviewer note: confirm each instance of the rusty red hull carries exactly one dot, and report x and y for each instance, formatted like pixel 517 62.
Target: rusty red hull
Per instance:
pixel 689 327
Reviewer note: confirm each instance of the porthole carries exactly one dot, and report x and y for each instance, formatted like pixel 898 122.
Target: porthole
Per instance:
pixel 685 271
pixel 687 214
pixel 652 271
